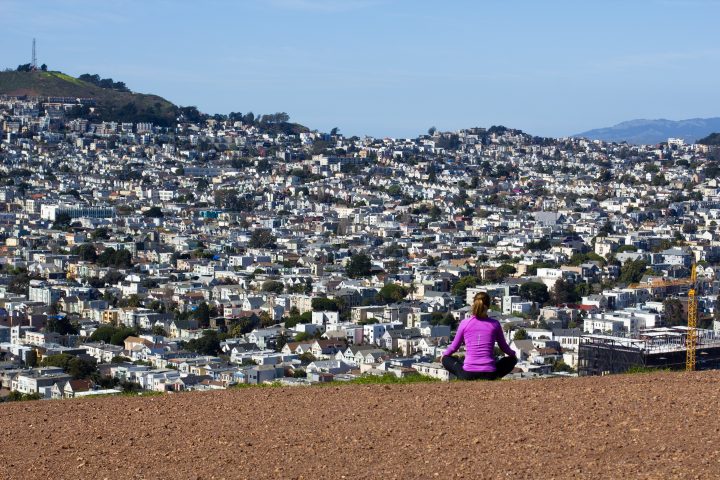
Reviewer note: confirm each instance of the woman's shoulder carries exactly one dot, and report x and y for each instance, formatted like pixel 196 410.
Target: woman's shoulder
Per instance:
pixel 473 318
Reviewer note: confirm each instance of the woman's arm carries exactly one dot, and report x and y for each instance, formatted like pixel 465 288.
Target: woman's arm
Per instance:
pixel 456 341
pixel 502 343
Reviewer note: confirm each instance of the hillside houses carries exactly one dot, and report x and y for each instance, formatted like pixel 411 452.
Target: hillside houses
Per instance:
pixel 235 252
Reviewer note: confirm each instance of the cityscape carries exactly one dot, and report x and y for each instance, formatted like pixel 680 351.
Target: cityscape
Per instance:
pixel 359 239
pixel 235 249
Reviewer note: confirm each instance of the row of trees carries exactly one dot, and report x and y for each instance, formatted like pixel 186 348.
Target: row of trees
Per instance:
pixel 103 82
pixel 28 67
pixel 108 258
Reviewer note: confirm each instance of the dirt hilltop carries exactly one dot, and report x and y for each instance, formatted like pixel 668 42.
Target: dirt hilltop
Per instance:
pixel 663 425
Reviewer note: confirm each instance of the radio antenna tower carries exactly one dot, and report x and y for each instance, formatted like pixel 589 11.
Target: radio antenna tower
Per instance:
pixel 33 64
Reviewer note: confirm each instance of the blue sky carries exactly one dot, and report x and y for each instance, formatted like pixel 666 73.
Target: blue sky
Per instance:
pixel 392 67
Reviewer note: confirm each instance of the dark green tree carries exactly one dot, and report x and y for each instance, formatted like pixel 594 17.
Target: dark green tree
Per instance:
pixel 86 252
pixel 322 304
pixel 673 312
pixel 273 286
pixel 460 287
pixel 262 238
pixel 535 292
pixel 75 366
pixel 118 338
pixel 392 292
pixel 505 270
pixel 632 271
pixel 61 326
pixel 154 212
pixel 62 221
pixel 202 314
pixel 359 265
pixel 563 292
pixel 521 334
pixel 207 344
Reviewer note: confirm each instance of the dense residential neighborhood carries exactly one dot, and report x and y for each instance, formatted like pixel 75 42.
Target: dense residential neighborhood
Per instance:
pixel 235 249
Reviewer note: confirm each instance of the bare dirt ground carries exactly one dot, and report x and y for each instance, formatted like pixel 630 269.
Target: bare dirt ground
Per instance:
pixel 659 426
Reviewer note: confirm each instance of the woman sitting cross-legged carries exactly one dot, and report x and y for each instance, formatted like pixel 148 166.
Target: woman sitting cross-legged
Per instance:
pixel 479 334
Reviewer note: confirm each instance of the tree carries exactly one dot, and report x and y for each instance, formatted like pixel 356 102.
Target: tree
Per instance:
pixel 75 366
pixel 392 292
pixel 521 334
pixel 62 221
pixel 159 330
pixel 359 265
pixel 322 304
pixel 115 258
pixel 118 338
pixel 20 282
pixel 281 341
pixel 673 312
pixel 535 292
pixel 632 271
pixel 431 131
pixel 266 320
pixel 460 287
pixel 303 336
pixel 262 238
pixel 207 344
pixel 563 292
pixel 561 366
pixel 154 212
pixel 202 314
pixel 43 67
pixel 273 286
pixel 505 270
pixel 61 326
pixel 306 357
pixel 448 319
pixel 296 318
pixel 103 334
pixel 131 301
pixel 100 234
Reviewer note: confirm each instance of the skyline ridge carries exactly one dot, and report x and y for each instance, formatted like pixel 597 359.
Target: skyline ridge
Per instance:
pixel 619 132
pixel 394 68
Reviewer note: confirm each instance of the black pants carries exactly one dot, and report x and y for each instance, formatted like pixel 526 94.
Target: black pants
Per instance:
pixel 502 368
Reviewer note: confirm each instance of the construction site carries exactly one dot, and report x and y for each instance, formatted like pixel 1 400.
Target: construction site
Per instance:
pixel 674 348
pixel 662 348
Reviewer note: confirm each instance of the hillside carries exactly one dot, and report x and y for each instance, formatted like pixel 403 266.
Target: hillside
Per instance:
pixel 712 139
pixel 113 105
pixel 655 131
pixel 660 425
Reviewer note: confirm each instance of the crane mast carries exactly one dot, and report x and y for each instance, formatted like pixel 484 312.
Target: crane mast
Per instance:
pixel 691 340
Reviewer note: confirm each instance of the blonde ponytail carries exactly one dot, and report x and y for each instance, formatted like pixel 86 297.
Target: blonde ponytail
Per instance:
pixel 480 305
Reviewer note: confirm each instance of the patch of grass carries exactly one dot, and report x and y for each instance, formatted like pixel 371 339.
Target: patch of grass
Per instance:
pixel 644 369
pixel 386 379
pixel 240 386
pixel 67 78
pixel 389 378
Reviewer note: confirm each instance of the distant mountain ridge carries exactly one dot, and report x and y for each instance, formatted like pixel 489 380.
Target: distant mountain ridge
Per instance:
pixel 112 104
pixel 644 131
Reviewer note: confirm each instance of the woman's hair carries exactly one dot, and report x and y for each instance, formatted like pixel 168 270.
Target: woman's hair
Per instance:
pixel 480 305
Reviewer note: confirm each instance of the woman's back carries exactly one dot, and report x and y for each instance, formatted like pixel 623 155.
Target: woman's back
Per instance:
pixel 479 337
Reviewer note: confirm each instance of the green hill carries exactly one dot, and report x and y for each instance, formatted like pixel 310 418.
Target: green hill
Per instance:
pixel 111 104
pixel 712 139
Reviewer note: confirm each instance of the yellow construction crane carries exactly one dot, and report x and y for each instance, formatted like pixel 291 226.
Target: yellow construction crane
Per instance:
pixel 691 339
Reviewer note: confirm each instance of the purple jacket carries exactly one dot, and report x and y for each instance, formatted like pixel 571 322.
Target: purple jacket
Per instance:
pixel 479 337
